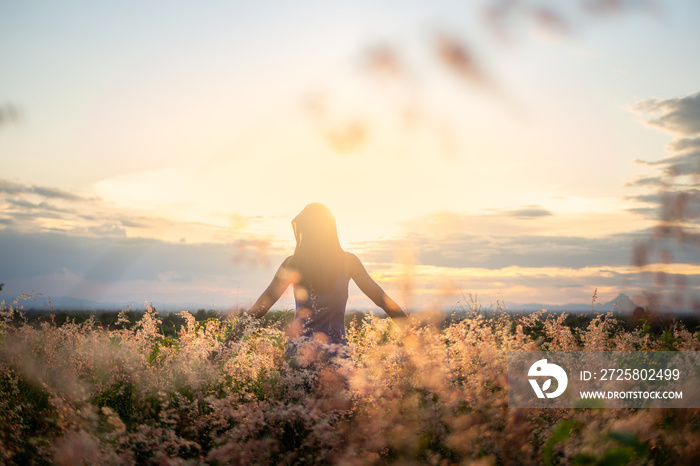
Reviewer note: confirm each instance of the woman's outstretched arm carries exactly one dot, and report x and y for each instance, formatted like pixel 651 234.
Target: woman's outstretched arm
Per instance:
pixel 282 279
pixel 368 286
pixel 272 293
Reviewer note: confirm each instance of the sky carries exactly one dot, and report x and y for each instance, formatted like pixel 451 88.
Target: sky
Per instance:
pixel 519 152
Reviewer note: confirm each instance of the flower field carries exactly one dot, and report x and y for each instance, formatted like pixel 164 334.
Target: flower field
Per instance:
pixel 83 393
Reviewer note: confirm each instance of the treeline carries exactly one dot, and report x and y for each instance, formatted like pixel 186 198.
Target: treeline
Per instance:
pixel 170 325
pixel 172 321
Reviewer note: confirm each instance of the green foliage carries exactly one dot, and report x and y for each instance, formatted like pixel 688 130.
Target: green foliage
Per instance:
pixel 628 449
pixel 561 432
pixel 27 420
pixel 120 397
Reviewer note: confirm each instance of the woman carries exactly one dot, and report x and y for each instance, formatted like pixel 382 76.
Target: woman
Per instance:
pixel 320 272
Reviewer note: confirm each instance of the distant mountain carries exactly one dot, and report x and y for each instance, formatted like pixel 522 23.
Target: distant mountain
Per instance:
pixel 622 304
pixel 63 303
pixel 41 303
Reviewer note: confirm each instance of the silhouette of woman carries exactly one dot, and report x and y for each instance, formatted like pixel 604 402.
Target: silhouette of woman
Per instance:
pixel 320 272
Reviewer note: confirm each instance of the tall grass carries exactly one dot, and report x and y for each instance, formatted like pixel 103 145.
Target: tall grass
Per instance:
pixel 84 393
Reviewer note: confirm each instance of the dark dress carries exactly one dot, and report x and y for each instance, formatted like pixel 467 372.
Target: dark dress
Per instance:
pixel 325 312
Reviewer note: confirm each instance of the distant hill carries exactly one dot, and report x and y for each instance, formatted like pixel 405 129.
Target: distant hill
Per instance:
pixel 622 304
pixel 41 302
pixel 63 303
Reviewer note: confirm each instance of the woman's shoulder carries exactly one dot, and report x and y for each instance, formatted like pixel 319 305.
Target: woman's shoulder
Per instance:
pixel 286 263
pixel 351 261
pixel 350 257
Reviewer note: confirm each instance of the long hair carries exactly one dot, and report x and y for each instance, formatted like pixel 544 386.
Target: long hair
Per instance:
pixel 318 256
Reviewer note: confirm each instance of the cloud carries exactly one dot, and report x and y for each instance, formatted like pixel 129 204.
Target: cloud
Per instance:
pixel 114 257
pixel 652 181
pixel 32 208
pixel 174 276
pixel 681 117
pixel 447 287
pixel 11 187
pixel 680 165
pixel 528 212
pixel 120 268
pixel 675 238
pixel 684 144
pixel 647 212
pixel 106 230
pixel 455 248
pixel 513 266
pixel 648 198
pixel 503 258
pixel 677 115
pixel 681 168
pixel 529 251
pixel 532 269
pixel 63 244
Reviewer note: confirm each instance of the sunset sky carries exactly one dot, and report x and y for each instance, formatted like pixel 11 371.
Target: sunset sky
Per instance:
pixel 157 151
